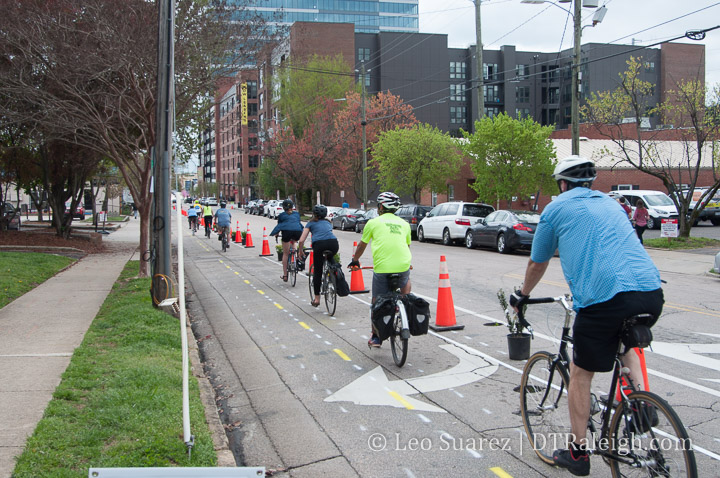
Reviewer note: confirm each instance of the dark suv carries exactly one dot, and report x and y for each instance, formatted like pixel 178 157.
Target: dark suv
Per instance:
pixel 413 214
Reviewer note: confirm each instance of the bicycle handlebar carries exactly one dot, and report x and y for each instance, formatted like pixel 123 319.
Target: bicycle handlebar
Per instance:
pixel 562 300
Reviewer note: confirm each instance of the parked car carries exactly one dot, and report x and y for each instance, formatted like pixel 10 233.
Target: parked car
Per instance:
pixel 505 230
pixel 249 205
pixel 211 201
pixel 449 221
pixel 188 200
pixel 361 221
pixel 11 216
pixel 268 205
pixel 346 218
pixel 711 211
pixel 79 211
pixel 413 214
pixel 659 205
pixel 275 210
pixel 332 210
pixel 258 207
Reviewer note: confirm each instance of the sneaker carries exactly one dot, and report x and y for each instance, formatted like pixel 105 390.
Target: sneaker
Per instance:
pixel 577 466
pixel 646 420
pixel 374 341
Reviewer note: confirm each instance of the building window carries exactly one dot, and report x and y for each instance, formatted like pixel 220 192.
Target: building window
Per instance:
pixel 490 70
pixel 492 112
pixel 522 112
pixel 363 54
pixel 252 144
pixel 458 114
pixel 451 192
pixel 650 66
pixel 457 92
pixel 522 94
pixel 252 90
pixel 521 71
pixel 253 163
pixel 492 93
pixel 457 70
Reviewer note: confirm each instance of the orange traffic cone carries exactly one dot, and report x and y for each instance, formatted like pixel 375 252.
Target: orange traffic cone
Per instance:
pixel 445 313
pixel 623 386
pixel 184 212
pixel 238 234
pixel 310 262
pixel 248 237
pixel 265 245
pixel 357 284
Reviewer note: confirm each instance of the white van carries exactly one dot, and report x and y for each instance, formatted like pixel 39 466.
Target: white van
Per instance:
pixel 659 205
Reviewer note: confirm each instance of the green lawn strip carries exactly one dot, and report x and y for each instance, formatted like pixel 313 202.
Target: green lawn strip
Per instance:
pixel 119 403
pixel 682 243
pixel 23 271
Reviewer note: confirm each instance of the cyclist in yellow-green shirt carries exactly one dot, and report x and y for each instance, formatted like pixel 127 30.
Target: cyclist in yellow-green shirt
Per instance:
pixel 390 236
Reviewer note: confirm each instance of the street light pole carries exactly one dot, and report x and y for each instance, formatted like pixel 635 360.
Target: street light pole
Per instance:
pixel 575 100
pixel 479 60
pixel 363 122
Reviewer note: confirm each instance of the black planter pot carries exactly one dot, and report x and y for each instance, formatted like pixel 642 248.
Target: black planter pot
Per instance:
pixel 519 346
pixel 280 254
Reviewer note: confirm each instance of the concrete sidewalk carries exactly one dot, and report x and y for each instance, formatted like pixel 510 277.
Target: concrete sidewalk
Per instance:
pixel 40 330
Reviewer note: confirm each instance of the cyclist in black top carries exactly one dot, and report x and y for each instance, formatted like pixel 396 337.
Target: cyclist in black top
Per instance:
pixel 291 227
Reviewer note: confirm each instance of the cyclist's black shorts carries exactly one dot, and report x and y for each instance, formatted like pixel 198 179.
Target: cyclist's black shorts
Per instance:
pixel 288 236
pixel 596 332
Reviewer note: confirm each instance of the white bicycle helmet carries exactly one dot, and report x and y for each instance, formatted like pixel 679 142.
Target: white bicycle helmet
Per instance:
pixel 389 201
pixel 575 169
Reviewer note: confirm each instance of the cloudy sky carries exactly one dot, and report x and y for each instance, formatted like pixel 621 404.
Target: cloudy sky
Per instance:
pixel 544 27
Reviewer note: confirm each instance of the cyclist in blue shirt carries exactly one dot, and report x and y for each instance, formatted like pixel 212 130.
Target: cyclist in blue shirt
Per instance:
pixel 291 227
pixel 222 219
pixel 323 239
pixel 611 278
pixel 192 215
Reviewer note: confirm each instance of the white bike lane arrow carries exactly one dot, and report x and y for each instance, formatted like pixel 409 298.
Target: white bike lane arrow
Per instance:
pixel 374 388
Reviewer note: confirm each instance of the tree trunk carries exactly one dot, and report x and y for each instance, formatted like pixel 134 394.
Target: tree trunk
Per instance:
pixel 144 212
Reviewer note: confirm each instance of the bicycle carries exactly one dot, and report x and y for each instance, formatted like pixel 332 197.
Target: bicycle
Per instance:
pixel 224 237
pixel 399 332
pixel 208 226
pixel 292 262
pixel 194 225
pixel 328 288
pixel 639 435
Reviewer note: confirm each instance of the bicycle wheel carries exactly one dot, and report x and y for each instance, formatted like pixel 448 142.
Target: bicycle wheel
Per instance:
pixel 224 242
pixel 544 404
pixel 651 437
pixel 330 293
pixel 399 345
pixel 292 268
pixel 310 282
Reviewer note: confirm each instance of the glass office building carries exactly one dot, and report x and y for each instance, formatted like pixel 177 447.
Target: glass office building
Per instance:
pixel 368 16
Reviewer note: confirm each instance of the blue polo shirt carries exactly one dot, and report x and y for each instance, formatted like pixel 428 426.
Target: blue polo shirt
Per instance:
pixel 599 250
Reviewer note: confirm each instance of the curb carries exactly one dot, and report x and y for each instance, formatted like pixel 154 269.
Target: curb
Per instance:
pixel 225 457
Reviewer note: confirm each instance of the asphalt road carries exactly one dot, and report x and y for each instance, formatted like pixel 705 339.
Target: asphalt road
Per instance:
pixel 300 390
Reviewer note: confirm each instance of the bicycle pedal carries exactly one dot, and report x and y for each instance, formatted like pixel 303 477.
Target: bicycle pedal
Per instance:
pixel 404 334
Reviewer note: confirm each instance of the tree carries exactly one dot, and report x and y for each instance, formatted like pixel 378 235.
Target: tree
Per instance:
pixel 305 86
pixel 647 151
pixel 410 160
pixel 511 157
pixel 383 112
pixel 85 72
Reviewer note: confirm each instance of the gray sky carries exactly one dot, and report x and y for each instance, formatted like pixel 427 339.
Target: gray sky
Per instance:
pixel 541 27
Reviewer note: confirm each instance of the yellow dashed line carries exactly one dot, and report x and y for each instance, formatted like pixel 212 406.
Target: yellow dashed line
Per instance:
pixel 237 273
pixel 228 267
pixel 500 472
pixel 246 281
pixel 342 355
pixel 278 306
pixel 261 292
pixel 399 398
pixel 304 325
pixel 221 261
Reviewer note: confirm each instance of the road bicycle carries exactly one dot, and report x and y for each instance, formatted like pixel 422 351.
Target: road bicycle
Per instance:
pixel 328 288
pixel 208 226
pixel 224 232
pixel 400 330
pixel 194 225
pixel 292 262
pixel 639 435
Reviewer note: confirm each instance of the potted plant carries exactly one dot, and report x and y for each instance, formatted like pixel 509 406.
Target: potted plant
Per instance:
pixel 242 236
pixel 518 341
pixel 279 250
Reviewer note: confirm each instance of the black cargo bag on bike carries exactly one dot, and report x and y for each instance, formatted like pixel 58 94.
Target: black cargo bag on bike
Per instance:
pixel 418 314
pixel 341 286
pixel 383 313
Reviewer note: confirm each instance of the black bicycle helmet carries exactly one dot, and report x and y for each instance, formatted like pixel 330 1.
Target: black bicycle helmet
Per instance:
pixel 223 204
pixel 320 211
pixel 389 200
pixel 287 204
pixel 576 170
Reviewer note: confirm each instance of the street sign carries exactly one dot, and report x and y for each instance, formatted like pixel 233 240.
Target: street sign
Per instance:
pixel 669 228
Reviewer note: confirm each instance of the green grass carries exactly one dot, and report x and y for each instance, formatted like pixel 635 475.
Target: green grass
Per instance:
pixel 23 271
pixel 682 243
pixel 119 401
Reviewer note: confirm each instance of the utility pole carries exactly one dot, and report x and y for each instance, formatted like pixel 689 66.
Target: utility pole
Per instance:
pixel 162 218
pixel 363 122
pixel 479 60
pixel 574 104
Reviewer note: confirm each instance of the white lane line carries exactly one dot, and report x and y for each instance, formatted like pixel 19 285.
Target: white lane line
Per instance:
pixel 409 473
pixel 357 366
pixel 424 418
pixel 457 393
pixel 487 411
pixel 473 453
pixel 343 410
pixel 327 390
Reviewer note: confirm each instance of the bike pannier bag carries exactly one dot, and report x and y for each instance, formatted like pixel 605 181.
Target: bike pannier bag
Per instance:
pixel 341 285
pixel 383 313
pixel 418 312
